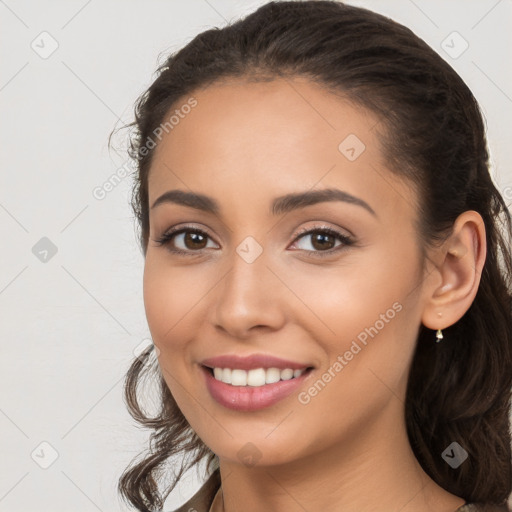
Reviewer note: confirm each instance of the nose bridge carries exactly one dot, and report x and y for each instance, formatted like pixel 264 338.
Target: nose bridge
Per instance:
pixel 248 295
pixel 245 283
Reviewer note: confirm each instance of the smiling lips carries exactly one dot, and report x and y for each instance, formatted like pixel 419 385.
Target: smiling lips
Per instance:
pixel 255 377
pixel 254 370
pixel 254 382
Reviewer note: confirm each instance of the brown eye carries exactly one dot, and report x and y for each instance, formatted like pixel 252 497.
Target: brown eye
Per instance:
pixel 194 240
pixel 184 240
pixel 322 241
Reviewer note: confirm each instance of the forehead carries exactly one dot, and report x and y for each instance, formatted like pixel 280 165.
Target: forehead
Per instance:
pixel 290 115
pixel 270 138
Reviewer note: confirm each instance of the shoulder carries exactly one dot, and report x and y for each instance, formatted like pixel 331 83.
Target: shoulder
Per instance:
pixel 202 499
pixel 483 507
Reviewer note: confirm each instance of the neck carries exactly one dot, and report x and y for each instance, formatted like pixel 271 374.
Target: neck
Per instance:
pixel 375 469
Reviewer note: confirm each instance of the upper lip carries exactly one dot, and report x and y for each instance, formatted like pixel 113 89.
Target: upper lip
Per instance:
pixel 251 362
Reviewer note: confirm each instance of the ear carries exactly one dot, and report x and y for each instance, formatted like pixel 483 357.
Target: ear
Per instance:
pixel 451 288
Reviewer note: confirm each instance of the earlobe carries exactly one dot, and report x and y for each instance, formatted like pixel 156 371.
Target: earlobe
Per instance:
pixel 461 259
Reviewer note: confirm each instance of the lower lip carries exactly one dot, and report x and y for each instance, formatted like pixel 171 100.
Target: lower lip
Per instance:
pixel 251 398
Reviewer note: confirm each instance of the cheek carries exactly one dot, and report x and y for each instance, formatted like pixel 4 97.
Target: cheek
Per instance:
pixel 165 299
pixel 341 301
pixel 361 310
pixel 174 297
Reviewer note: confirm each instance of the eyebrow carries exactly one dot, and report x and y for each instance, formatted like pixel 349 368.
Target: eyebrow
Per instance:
pixel 280 205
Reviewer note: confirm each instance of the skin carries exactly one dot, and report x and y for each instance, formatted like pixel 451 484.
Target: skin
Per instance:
pixel 347 449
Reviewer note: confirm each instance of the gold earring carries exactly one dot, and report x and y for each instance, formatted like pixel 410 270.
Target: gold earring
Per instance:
pixel 439 335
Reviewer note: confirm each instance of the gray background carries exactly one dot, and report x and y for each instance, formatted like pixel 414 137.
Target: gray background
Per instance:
pixel 71 321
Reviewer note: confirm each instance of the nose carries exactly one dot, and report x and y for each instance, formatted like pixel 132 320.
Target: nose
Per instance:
pixel 248 299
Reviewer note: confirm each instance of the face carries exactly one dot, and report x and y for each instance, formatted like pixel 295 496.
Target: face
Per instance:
pixel 330 283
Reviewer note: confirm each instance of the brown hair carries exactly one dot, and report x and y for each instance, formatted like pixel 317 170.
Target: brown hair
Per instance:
pixel 434 137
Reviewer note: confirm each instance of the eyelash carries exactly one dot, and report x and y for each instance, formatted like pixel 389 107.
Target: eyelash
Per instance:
pixel 347 241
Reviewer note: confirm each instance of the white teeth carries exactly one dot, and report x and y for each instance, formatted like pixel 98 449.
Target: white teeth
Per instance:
pixel 272 375
pixel 287 374
pixel 226 375
pixel 256 377
pixel 238 377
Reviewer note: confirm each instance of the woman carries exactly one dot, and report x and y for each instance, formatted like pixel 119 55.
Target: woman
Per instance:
pixel 326 282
